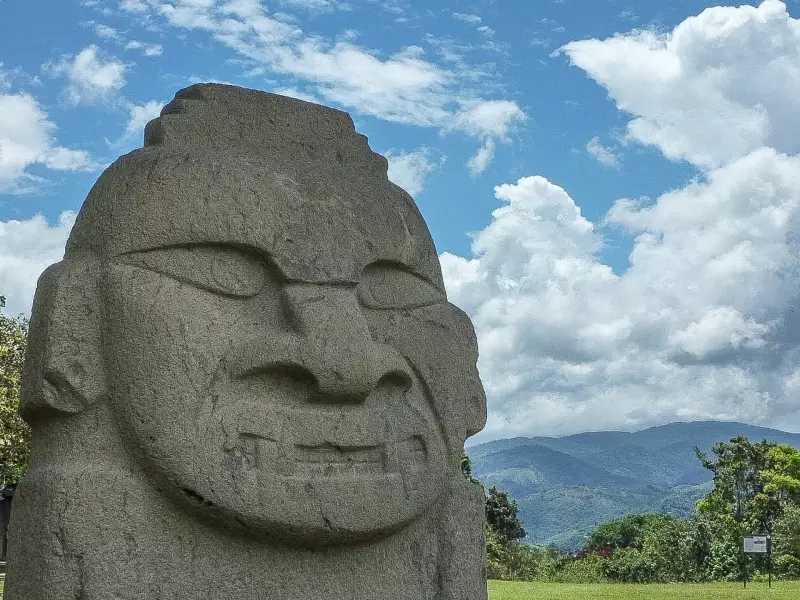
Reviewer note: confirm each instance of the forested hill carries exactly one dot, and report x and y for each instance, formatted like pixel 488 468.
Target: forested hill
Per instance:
pixel 566 486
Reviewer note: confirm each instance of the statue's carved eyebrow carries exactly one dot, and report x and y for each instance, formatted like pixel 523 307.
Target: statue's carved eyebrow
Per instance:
pixel 265 258
pixel 402 266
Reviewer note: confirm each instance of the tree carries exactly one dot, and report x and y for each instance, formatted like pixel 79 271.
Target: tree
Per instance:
pixel 501 510
pixel 786 544
pixel 782 475
pixel 740 488
pixel 502 517
pixel 648 548
pixel 627 532
pixel 14 433
pixel 756 486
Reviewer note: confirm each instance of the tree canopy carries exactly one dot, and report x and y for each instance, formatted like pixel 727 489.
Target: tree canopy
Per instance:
pixel 753 482
pixel 14 432
pixel 502 516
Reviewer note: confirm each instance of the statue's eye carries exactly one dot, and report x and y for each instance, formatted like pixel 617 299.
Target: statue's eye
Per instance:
pixel 386 285
pixel 219 269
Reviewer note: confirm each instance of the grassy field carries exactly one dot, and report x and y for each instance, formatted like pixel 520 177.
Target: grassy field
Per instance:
pixel 514 590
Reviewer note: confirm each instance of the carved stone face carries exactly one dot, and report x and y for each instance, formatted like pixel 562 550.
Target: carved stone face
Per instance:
pixel 281 356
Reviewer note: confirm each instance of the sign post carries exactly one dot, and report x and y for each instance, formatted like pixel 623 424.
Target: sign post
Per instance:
pixel 769 561
pixel 759 544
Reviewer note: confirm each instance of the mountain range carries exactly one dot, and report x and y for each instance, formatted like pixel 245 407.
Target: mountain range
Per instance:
pixel 566 486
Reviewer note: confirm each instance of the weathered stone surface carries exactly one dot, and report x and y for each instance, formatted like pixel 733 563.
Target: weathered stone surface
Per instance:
pixel 245 380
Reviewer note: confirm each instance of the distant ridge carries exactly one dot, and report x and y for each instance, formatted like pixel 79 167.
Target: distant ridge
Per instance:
pixel 566 486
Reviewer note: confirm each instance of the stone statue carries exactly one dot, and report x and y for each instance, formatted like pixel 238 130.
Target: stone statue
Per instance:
pixel 245 380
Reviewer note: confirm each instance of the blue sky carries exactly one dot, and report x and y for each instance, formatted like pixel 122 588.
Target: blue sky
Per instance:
pixel 611 184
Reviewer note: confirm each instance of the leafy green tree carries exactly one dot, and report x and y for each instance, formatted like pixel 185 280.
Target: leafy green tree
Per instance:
pixel 677 548
pixel 786 544
pixel 627 532
pixel 756 485
pixel 502 516
pixel 724 560
pixel 740 488
pixel 629 565
pixel 588 569
pixel 782 475
pixel 14 433
pixel 649 548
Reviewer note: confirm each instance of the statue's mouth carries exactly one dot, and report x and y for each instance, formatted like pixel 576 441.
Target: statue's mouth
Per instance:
pixel 329 460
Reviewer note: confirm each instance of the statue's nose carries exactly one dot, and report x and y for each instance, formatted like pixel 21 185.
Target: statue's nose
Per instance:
pixel 336 347
pixel 328 340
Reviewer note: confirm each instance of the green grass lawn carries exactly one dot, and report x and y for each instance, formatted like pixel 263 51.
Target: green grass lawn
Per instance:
pixel 519 590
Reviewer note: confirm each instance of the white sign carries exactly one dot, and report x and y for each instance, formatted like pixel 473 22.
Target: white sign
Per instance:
pixel 756 544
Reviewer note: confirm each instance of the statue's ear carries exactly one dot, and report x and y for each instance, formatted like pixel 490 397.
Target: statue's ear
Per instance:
pixel 63 370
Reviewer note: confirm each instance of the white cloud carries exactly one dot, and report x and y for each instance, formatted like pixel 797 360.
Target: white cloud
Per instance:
pixel 111 34
pixel 90 78
pixel 720 329
pixel 603 154
pixel 106 32
pixel 147 49
pixel 482 158
pixel 402 87
pixel 467 18
pixel 491 120
pixel 718 86
pixel 27 138
pixel 317 5
pixel 702 324
pixel 410 169
pixel 27 248
pixel 134 6
pixel 488 118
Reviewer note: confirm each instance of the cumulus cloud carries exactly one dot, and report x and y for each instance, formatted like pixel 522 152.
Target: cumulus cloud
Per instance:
pixel 720 329
pixel 27 138
pixel 702 325
pixel 90 77
pixel 719 85
pixel 403 87
pixel 488 118
pixel 703 322
pixel 27 248
pixel 603 154
pixel 410 169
